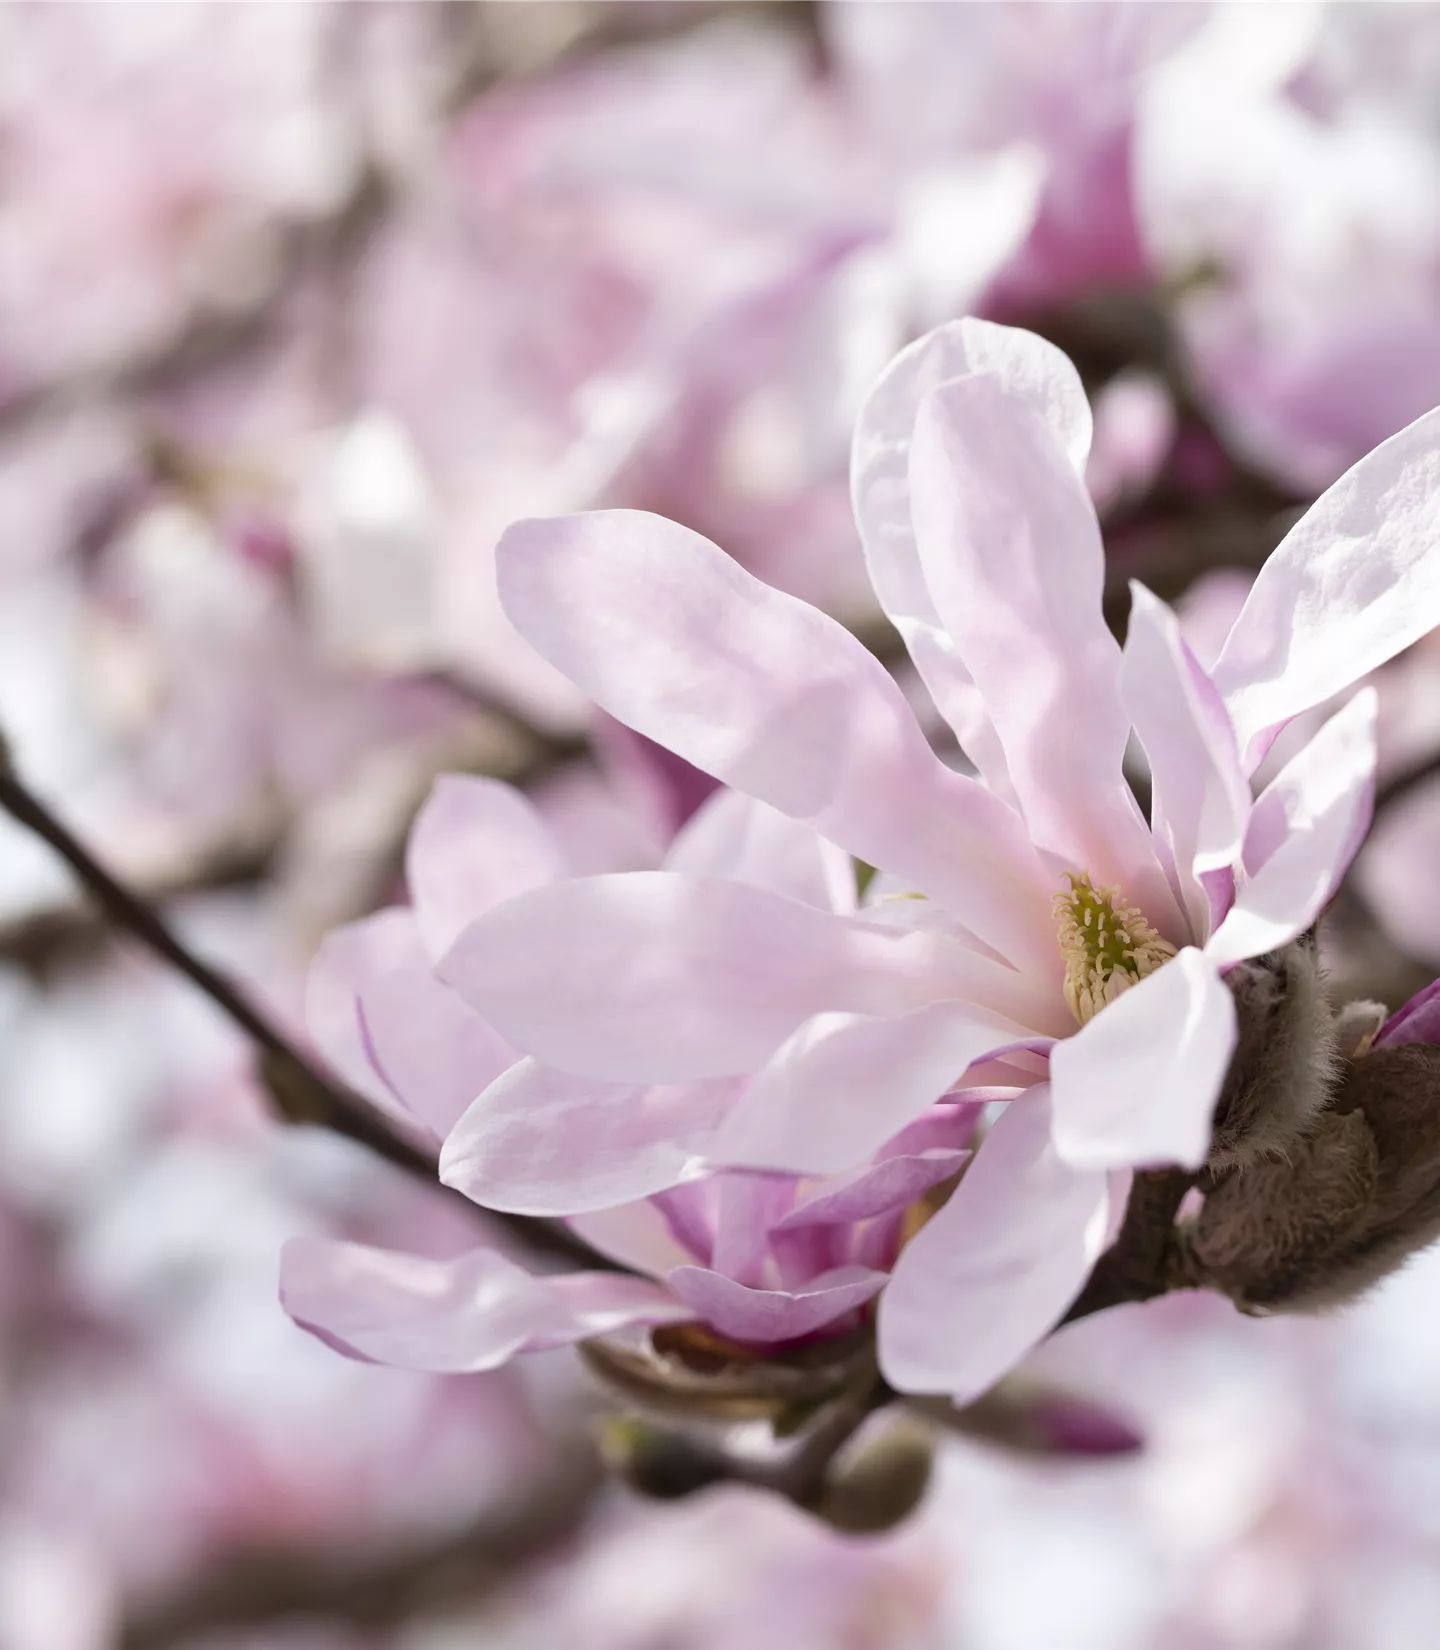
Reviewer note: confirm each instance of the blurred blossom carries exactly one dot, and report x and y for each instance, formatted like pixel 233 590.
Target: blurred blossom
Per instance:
pixel 301 310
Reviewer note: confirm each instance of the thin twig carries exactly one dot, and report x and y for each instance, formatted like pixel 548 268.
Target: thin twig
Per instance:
pixel 301 1091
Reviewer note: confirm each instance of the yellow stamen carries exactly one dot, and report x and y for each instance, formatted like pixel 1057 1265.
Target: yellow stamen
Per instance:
pixel 1107 945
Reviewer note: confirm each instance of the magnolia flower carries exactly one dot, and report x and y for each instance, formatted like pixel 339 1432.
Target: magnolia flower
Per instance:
pixel 761 1259
pixel 1060 943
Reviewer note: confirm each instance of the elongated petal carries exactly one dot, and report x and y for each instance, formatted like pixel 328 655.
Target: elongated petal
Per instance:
pixel 1030 369
pixel 457 1316
pixel 747 1206
pixel 992 1271
pixel 434 1050
pixel 541 1142
pixel 475 843
pixel 881 1189
pixel 741 840
pixel 1138 1084
pixel 1307 826
pixel 653 977
pixel 1201 798
pixel 674 638
pixel 1012 557
pixel 845 1083
pixel 348 960
pixel 771 1316
pixel 1356 580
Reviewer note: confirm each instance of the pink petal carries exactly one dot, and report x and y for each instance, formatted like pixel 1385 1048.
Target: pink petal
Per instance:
pixel 673 637
pixel 845 1083
pixel 741 840
pixel 350 959
pixel 746 1207
pixel 1013 560
pixel 540 1142
pixel 771 1316
pixel 1138 1084
pixel 1417 1021
pixel 986 1278
pixel 1307 826
pixel 1356 580
pixel 634 1235
pixel 475 843
pixel 1030 369
pixel 1201 798
pixel 435 1052
pixel 653 977
pixel 882 1188
pixel 457 1316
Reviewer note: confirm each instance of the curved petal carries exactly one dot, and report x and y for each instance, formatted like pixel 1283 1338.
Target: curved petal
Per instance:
pixel 771 1316
pixel 434 1050
pixel 348 960
pixel 653 977
pixel 1201 798
pixel 475 843
pixel 1032 370
pixel 540 1142
pixel 880 1189
pixel 845 1083
pixel 457 1316
pixel 674 638
pixel 1138 1084
pixel 741 840
pixel 1307 825
pixel 1356 580
pixel 985 1279
pixel 1013 561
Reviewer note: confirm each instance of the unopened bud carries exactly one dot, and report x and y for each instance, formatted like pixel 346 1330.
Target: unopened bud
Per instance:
pixel 1286 1056
pixel 878 1479
pixel 666 1466
pixel 1349 1202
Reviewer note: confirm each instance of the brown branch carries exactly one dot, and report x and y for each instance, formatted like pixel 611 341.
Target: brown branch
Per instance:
pixel 300 1090
pixel 1136 1267
pixel 375 1589
pixel 1407 779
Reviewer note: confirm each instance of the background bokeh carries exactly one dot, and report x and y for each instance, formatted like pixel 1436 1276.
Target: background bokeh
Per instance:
pixel 300 305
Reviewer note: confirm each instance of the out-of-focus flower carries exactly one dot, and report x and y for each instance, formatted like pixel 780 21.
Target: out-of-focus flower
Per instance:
pixel 985 553
pixel 1301 224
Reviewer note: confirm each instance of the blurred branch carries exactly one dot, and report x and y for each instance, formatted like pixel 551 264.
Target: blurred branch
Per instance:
pixel 1406 779
pixel 301 1092
pixel 376 1589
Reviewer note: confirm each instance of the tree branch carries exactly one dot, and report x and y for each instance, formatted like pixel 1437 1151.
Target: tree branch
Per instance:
pixel 300 1090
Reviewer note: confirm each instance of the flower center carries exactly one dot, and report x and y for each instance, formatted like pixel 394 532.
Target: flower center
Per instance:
pixel 1107 945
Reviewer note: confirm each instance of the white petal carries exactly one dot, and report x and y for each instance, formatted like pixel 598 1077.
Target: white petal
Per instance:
pixel 475 843
pixel 1201 798
pixel 1138 1084
pixel 1014 564
pixel 987 1277
pixel 769 695
pixel 1356 580
pixel 1307 825
pixel 1032 370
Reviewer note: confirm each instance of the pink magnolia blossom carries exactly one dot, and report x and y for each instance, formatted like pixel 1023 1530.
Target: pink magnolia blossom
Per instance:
pixel 1060 940
pixel 760 1258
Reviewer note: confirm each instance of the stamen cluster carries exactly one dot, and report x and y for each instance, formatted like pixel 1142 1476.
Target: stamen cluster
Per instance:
pixel 1107 945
